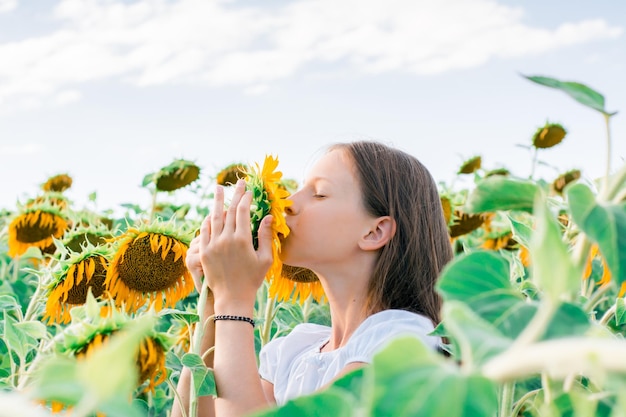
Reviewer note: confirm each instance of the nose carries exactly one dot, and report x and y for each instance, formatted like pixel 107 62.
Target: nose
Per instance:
pixel 292 209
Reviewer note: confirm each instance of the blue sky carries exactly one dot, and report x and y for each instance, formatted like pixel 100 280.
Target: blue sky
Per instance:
pixel 109 91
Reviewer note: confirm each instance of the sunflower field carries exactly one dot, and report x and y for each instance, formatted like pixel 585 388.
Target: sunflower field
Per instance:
pixel 100 314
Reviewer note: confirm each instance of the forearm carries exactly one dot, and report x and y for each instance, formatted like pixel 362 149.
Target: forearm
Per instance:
pixel 206 406
pixel 237 378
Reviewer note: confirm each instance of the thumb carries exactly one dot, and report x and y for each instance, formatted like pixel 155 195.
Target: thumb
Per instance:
pixel 264 250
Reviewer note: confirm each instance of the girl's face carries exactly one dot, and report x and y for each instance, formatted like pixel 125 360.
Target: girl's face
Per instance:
pixel 327 217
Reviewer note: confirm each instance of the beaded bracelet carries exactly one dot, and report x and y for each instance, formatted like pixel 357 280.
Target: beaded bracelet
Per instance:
pixel 233 318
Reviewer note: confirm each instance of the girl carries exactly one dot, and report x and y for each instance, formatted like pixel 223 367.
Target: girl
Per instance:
pixel 368 221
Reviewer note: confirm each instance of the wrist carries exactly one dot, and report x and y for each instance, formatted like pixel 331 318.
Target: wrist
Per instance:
pixel 234 307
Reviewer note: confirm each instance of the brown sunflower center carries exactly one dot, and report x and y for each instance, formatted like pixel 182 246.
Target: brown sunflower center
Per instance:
pixel 77 242
pixel 299 274
pixel 178 179
pixel 36 226
pixel 147 271
pixel 78 293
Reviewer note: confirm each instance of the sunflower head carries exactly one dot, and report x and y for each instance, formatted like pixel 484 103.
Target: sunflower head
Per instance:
pixel 464 223
pixel 548 136
pixel 36 225
pixel 231 173
pixel 270 196
pixel 149 266
pixel 80 237
pixel 503 240
pixel 73 279
pixel 50 198
pixel 503 172
pixel 178 174
pixel 559 184
pixel 471 165
pixel 57 183
pixel 446 206
pixel 85 336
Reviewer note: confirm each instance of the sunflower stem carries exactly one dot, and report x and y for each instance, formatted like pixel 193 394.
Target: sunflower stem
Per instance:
pixel 607 174
pixel 196 344
pixel 608 315
pixel 506 398
pixel 306 308
pixel 177 396
pixel 34 302
pixel 596 298
pixel 266 330
pixel 154 203
pixel 520 403
pixel 538 324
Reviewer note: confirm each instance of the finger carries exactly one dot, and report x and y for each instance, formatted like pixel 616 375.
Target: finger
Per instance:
pixel 205 233
pixel 265 251
pixel 243 214
pixel 231 217
pixel 217 216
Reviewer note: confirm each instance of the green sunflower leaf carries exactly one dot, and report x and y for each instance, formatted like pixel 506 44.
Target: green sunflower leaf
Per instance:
pixel 579 92
pixel 501 193
pixel 604 224
pixel 410 379
pixel 553 269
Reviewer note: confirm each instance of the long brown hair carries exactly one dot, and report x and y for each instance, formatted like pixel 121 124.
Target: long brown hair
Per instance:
pixel 394 183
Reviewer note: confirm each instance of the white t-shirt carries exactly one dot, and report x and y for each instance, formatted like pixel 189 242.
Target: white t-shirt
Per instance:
pixel 295 365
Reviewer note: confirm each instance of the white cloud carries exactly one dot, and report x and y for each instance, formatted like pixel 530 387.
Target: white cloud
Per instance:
pixel 67 97
pixel 216 43
pixel 20 150
pixel 7 5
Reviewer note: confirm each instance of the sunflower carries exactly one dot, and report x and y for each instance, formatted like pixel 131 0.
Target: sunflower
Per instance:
pixel 559 184
pixel 606 273
pixel 231 173
pixel 73 279
pixel 464 223
pixel 548 136
pixel 52 198
pixel 500 241
pixel 178 174
pixel 471 165
pixel 84 337
pixel 503 172
pixel 57 183
pixel 36 226
pixel 446 206
pixel 149 265
pixel 81 236
pixel 269 196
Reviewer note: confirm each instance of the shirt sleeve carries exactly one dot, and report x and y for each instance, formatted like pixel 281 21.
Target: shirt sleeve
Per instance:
pixel 277 356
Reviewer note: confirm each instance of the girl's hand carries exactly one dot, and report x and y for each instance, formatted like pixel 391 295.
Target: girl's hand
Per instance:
pixel 194 265
pixel 233 269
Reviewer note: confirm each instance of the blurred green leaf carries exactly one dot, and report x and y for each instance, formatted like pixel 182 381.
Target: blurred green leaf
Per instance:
pixel 481 280
pixel 604 224
pixel 553 268
pixel 321 404
pixel 412 380
pixel 579 92
pixel 521 232
pixel 8 302
pixel 501 193
pixel 476 339
pixel 620 312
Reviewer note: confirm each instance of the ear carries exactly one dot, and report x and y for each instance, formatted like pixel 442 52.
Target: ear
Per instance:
pixel 381 231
